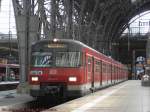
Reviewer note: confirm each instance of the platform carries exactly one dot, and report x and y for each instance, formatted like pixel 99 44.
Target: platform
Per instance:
pixel 11 99
pixel 8 85
pixel 128 96
pixel 8 82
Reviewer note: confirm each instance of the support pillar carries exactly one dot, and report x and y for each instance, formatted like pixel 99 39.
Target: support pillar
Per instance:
pixel 148 51
pixel 25 47
pixel 53 18
pixel 69 6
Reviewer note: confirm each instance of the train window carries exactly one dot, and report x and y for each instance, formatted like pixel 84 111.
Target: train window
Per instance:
pixel 89 64
pixel 68 59
pixel 108 69
pixel 104 68
pixel 58 59
pixel 42 59
pixel 97 66
pixel 113 69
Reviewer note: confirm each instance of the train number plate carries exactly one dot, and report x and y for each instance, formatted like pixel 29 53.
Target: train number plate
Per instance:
pixel 53 71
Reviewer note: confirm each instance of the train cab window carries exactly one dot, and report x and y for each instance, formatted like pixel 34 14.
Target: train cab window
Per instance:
pixel 42 59
pixel 68 59
pixel 57 59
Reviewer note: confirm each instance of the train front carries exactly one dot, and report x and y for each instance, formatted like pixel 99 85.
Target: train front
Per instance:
pixel 56 68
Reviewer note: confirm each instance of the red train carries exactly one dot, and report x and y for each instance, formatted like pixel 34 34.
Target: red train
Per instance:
pixel 70 68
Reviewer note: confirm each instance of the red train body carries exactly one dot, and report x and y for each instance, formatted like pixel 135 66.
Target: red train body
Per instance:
pixel 70 68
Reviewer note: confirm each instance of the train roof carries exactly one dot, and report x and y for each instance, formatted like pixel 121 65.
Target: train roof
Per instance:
pixel 80 44
pixel 70 41
pixel 63 40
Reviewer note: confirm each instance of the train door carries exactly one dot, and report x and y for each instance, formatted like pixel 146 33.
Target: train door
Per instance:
pixel 90 71
pixel 111 73
pixel 98 71
pixel 92 82
pixel 106 73
pixel 117 73
pixel 103 74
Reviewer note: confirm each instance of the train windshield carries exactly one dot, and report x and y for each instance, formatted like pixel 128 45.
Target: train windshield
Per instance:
pixel 42 59
pixel 68 59
pixel 57 59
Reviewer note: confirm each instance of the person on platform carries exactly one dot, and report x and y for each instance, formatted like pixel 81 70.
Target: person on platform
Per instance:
pixel 12 75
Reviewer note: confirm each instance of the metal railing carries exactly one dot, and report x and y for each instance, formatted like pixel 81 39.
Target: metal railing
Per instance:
pixel 139 32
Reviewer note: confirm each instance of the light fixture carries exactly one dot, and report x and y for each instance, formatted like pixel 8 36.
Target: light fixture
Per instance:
pixel 72 79
pixel 55 40
pixel 34 79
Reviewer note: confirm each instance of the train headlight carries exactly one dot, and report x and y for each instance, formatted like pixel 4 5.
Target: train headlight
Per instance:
pixel 34 79
pixel 72 79
pixel 36 72
pixel 55 40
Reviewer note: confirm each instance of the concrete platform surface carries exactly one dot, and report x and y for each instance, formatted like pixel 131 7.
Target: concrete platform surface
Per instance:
pixel 10 99
pixel 9 82
pixel 8 85
pixel 128 96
